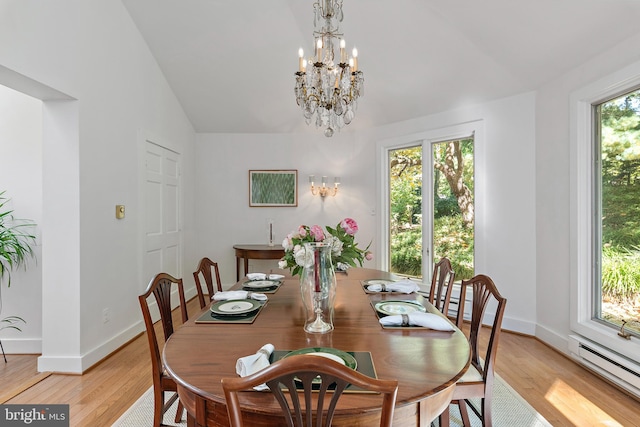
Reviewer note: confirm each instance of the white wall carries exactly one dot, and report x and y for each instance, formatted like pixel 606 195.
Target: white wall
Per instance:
pixel 223 214
pixel 505 211
pixel 21 178
pixel 553 188
pixel 505 237
pixel 93 53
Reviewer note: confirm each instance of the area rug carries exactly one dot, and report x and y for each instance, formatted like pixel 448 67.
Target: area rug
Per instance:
pixel 509 409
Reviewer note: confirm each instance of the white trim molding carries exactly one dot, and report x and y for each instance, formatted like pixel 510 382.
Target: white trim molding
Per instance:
pixel 581 212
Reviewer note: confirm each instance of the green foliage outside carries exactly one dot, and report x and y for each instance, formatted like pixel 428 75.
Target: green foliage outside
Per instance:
pixel 455 241
pixel 620 152
pixel 406 208
pixel 620 272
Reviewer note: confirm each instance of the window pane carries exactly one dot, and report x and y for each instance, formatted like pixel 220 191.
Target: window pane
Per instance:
pixel 617 293
pixel 405 208
pixel 453 205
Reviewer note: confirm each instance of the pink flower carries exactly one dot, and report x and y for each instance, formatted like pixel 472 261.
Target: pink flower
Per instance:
pixel 302 231
pixel 349 226
pixel 368 255
pixel 317 233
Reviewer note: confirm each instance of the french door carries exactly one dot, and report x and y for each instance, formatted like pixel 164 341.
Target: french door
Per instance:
pixel 431 206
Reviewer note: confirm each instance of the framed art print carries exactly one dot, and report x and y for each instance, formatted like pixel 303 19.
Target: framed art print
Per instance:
pixel 273 188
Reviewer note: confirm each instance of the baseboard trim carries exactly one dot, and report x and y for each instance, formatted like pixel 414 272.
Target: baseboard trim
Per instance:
pixel 22 345
pixel 553 340
pixel 80 364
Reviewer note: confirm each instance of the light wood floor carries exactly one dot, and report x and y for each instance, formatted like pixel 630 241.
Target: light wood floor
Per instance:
pixel 563 392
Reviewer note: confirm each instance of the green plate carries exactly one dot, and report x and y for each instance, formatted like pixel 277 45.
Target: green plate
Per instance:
pixel 390 308
pixel 329 353
pixel 235 307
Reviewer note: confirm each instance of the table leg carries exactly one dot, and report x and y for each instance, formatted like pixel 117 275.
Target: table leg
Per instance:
pixel 246 266
pixel 237 268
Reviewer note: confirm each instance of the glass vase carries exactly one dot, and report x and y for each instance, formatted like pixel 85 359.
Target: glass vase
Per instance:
pixel 318 288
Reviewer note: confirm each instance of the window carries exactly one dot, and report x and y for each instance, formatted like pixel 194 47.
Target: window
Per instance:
pixel 616 208
pixel 604 208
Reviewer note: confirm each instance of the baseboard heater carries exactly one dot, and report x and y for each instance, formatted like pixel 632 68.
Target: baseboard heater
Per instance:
pixel 622 371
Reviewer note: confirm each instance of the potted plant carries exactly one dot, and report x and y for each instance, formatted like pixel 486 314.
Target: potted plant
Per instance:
pixel 15 249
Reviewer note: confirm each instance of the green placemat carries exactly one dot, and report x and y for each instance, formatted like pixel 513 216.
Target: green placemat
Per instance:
pixel 209 317
pixel 364 365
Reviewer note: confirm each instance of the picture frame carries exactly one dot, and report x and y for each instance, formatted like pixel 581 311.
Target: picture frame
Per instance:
pixel 273 188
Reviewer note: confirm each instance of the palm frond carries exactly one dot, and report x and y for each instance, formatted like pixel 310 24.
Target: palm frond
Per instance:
pixel 16 241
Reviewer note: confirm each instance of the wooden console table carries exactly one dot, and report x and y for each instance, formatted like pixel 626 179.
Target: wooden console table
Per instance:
pixel 248 252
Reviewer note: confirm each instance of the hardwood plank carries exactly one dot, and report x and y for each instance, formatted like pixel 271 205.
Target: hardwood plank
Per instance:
pixel 31 381
pixel 565 393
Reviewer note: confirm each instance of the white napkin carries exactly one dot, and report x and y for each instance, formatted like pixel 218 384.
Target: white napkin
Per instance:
pixel 251 364
pixel 227 295
pixel 276 276
pixel 427 320
pixel 256 276
pixel 404 286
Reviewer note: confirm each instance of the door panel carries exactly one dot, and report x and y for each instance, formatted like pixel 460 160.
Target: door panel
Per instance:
pixel 431 206
pixel 163 251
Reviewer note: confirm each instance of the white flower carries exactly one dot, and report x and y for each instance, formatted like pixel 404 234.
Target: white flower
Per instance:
pixel 282 264
pixel 303 257
pixel 335 243
pixel 286 244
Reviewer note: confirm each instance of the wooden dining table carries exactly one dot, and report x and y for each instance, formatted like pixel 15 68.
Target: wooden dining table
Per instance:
pixel 425 362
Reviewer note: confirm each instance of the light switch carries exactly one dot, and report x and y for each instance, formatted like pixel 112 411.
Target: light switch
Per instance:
pixel 119 211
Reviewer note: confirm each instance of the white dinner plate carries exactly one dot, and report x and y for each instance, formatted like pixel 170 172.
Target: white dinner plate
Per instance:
pixel 235 307
pixel 399 307
pixel 261 284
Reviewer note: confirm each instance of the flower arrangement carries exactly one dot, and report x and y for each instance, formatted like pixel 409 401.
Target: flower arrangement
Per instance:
pixel 345 252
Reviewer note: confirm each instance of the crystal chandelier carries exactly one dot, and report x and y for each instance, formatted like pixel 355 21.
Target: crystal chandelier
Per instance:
pixel 328 87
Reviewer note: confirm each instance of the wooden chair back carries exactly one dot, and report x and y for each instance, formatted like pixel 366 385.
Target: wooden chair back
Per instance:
pixel 442 287
pixel 161 287
pixel 478 381
pixel 315 380
pixel 204 268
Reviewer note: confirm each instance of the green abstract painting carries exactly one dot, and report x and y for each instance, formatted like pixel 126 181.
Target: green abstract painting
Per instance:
pixel 273 188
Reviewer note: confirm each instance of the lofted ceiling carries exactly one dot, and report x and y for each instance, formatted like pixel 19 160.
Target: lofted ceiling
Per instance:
pixel 231 63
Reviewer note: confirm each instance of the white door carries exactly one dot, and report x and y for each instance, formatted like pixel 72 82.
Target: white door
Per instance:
pixel 163 236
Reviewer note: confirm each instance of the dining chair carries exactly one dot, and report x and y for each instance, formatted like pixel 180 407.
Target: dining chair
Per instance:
pixel 204 268
pixel 314 379
pixel 161 286
pixel 477 382
pixel 442 287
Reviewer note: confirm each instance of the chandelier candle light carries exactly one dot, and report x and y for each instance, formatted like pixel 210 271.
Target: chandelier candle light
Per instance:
pixel 327 86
